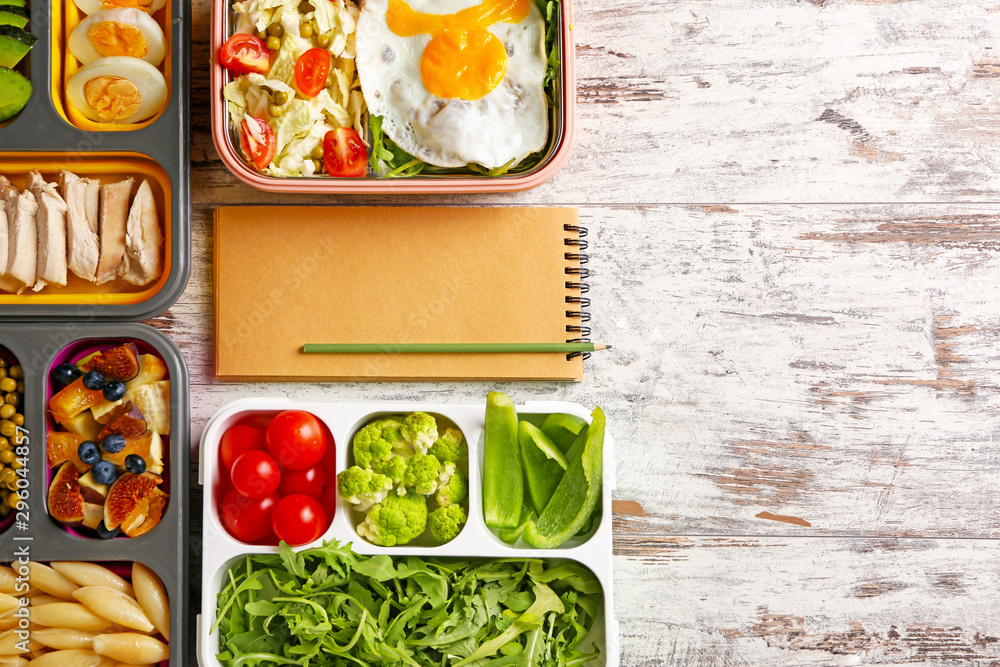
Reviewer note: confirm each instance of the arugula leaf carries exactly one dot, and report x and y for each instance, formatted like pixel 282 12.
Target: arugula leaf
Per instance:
pixel 329 606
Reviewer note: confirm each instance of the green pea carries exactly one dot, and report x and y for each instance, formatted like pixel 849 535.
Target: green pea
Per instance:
pixel 281 98
pixel 306 30
pixel 273 43
pixel 324 40
pixel 274 110
pixel 276 30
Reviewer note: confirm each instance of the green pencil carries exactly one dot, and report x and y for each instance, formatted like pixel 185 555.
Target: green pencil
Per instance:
pixel 446 348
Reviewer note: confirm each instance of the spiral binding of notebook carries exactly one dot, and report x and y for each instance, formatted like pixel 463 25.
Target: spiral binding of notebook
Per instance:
pixel 577 302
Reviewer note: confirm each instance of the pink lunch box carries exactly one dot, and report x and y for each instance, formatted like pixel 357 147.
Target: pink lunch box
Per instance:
pixel 227 143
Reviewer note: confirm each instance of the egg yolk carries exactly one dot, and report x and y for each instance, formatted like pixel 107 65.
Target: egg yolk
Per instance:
pixel 144 5
pixel 463 59
pixel 111 38
pixel 113 97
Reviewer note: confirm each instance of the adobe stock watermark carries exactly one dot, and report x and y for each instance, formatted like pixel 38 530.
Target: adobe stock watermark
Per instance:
pixel 21 558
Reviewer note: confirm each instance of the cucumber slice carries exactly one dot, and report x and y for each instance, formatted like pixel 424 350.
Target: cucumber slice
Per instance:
pixel 15 91
pixel 20 4
pixel 14 45
pixel 563 429
pixel 544 464
pixel 14 16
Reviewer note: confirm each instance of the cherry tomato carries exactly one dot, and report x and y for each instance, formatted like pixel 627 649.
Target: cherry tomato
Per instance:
pixel 238 440
pixel 258 144
pixel 243 54
pixel 344 154
pixel 309 481
pixel 255 474
pixel 311 70
pixel 298 519
pixel 248 519
pixel 295 439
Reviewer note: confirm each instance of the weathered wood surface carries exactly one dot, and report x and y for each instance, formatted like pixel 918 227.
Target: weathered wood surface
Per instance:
pixel 804 396
pixel 747 101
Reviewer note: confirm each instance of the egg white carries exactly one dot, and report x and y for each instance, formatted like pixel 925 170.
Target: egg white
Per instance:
pixel 150 82
pixel 82 49
pixel 93 6
pixel 509 123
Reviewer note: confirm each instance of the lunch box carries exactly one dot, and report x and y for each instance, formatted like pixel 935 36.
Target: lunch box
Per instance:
pixel 49 135
pixel 220 549
pixel 38 348
pixel 561 130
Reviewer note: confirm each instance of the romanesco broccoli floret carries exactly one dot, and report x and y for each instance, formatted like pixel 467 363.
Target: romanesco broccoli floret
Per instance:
pixel 362 487
pixel 394 468
pixel 374 443
pixel 420 431
pixel 449 447
pixel 453 491
pixel 446 523
pixel 395 520
pixel 422 472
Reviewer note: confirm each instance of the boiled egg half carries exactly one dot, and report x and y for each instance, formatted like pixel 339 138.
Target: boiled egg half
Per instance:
pixel 94 6
pixel 118 32
pixel 117 89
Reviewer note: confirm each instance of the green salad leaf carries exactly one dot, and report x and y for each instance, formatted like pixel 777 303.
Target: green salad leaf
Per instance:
pixel 329 606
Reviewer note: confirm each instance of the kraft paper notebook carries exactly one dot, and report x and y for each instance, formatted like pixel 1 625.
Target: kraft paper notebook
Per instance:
pixel 287 276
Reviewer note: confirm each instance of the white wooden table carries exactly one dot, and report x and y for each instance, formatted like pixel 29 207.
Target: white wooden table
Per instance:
pixel 793 209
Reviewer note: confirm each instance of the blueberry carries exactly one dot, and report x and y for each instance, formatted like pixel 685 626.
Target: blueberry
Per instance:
pixel 104 472
pixel 66 373
pixel 104 533
pixel 94 381
pixel 114 391
pixel 89 452
pixel 113 443
pixel 135 464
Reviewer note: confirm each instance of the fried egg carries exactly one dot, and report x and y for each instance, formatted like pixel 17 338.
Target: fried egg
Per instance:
pixel 118 89
pixel 118 32
pixel 456 81
pixel 93 6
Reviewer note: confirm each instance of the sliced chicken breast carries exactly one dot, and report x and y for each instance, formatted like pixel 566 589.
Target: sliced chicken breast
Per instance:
pixel 6 191
pixel 143 240
pixel 22 242
pixel 115 199
pixel 50 268
pixel 82 244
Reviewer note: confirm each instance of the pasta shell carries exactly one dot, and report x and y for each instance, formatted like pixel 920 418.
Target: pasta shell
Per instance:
pixel 114 606
pixel 74 658
pixel 68 615
pixel 152 597
pixel 48 580
pixel 64 639
pixel 91 574
pixel 132 648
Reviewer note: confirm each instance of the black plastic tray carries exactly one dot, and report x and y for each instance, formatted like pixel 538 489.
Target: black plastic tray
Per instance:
pixel 164 548
pixel 40 127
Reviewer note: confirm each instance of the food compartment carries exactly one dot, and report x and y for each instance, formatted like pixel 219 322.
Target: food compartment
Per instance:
pixel 118 609
pixel 559 431
pixel 142 209
pixel 129 69
pixel 12 389
pixel 429 457
pixel 278 479
pixel 402 173
pixel 16 44
pixel 561 583
pixel 109 420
